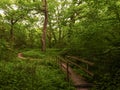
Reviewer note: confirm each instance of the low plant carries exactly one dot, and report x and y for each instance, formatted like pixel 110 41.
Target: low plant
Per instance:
pixel 32 75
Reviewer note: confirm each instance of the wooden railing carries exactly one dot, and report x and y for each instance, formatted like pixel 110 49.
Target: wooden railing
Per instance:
pixel 71 60
pixel 85 69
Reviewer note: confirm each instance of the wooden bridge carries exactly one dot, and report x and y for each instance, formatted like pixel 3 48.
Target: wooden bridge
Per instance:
pixel 79 82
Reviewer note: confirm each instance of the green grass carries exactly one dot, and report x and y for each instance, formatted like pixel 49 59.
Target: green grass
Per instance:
pixel 31 75
pixel 33 54
pixel 36 53
pixel 40 74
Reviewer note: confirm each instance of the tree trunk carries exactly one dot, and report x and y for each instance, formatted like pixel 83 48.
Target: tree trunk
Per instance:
pixel 49 35
pixel 11 36
pixel 60 35
pixel 44 26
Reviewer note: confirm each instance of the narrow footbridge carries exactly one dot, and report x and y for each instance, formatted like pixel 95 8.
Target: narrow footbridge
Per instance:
pixel 79 82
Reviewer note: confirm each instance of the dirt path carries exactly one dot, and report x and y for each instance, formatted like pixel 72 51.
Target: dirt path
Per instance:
pixel 20 55
pixel 78 81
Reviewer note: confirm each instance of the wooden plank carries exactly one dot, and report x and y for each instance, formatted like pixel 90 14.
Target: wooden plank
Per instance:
pixel 78 81
pixel 81 60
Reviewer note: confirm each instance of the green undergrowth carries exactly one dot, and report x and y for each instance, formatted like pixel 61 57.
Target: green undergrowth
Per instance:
pixel 42 74
pixel 37 53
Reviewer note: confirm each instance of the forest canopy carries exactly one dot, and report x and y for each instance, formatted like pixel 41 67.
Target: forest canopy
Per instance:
pixel 89 29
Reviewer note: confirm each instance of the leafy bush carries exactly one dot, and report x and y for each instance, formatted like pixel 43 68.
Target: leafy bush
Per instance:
pixel 34 75
pixel 6 53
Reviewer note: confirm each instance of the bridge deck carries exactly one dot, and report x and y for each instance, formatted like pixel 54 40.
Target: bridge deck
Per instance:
pixel 79 82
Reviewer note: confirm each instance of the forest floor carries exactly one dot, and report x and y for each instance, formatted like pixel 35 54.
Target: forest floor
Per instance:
pixel 79 82
pixel 33 70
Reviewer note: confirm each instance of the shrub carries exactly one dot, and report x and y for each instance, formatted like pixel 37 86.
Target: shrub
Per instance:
pixel 6 53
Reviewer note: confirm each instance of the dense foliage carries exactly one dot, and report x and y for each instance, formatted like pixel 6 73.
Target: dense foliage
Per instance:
pixel 31 75
pixel 89 29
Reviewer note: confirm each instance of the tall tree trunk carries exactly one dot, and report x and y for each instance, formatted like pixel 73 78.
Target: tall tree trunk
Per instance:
pixel 11 36
pixel 44 26
pixel 49 35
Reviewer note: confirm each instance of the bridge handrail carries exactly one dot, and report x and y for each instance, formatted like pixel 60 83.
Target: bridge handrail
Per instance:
pixel 71 62
pixel 81 60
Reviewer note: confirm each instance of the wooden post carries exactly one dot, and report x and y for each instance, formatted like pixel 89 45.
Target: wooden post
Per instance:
pixel 68 71
pixel 87 68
